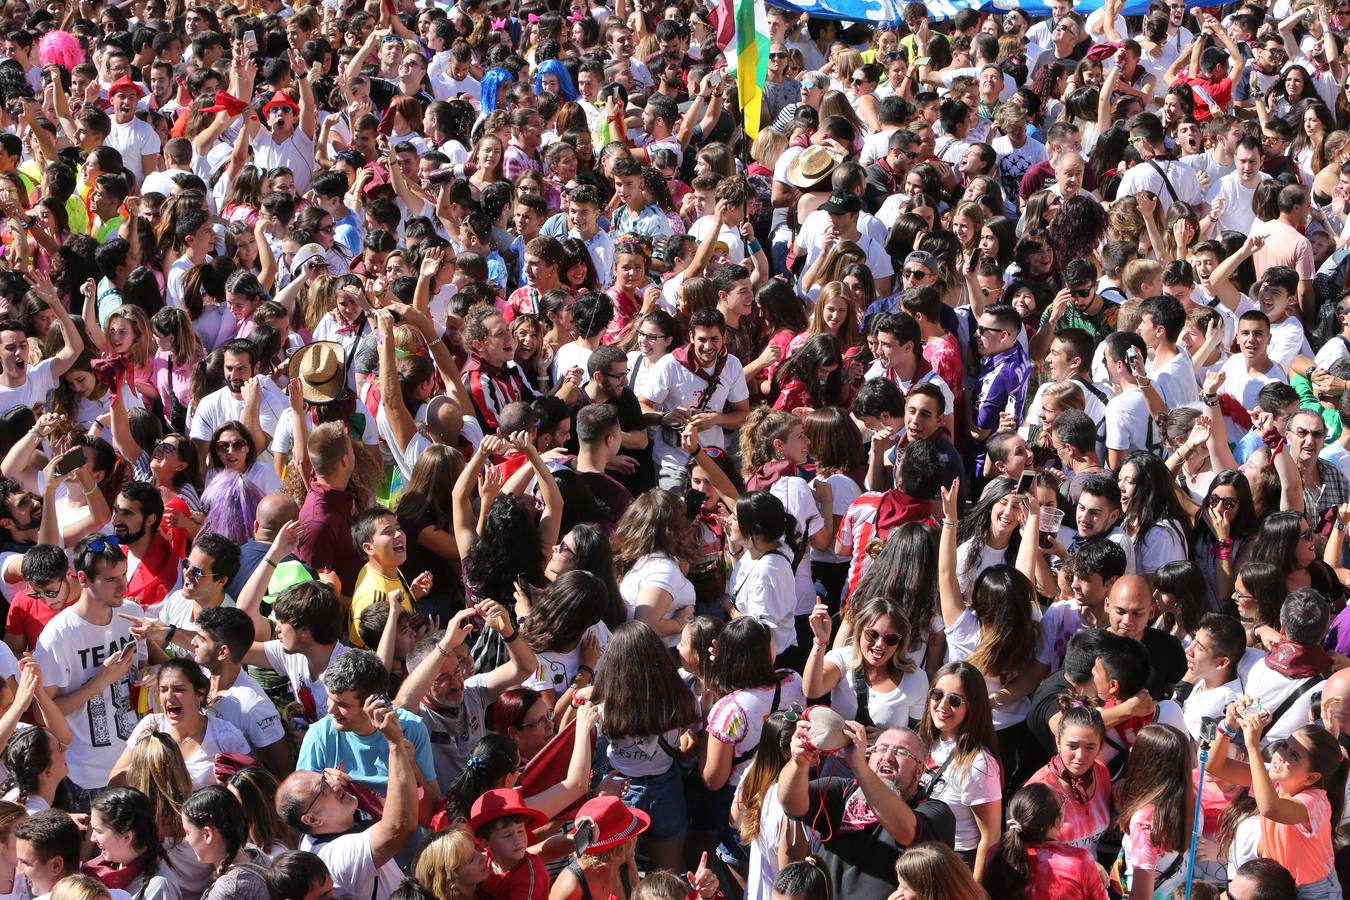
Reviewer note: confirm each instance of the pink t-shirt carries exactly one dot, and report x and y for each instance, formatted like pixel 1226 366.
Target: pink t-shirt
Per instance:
pixel 1060 872
pixel 1305 850
pixel 1084 824
pixel 1284 246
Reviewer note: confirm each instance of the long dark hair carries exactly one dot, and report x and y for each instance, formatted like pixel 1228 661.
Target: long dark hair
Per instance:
pixel 506 546
pixel 1244 523
pixel 27 755
pixel 977 729
pixel 744 657
pixel 904 571
pixel 1031 820
pixel 760 514
pixel 1001 599
pixel 1277 538
pixel 1184 581
pixel 1154 501
pixel 493 758
pixel 592 553
pixel 1160 776
pixel 561 615
pixel 217 808
pixel 640 687
pixel 128 811
pixel 804 364
pixel 1267 584
pixel 975 524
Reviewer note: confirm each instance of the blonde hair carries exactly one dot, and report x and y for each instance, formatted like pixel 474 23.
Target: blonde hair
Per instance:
pixel 319 300
pixel 1066 394
pixel 761 429
pixel 1139 272
pixel 849 333
pixel 79 887
pixel 768 146
pixel 157 770
pixel 933 871
pixel 441 859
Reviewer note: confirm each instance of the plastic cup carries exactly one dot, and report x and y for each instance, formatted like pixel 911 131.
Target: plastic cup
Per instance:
pixel 1051 518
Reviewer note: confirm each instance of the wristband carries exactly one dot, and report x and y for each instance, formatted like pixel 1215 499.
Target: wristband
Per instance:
pixel 753 246
pixel 1209 399
pixel 577 702
pixel 1223 726
pixel 948 523
pixel 817 642
pixel 90 492
pixel 269 561
pixel 515 633
pixel 442 651
pixel 168 637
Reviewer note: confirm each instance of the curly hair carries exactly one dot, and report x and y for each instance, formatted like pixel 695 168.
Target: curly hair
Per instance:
pixel 1078 229
pixel 506 546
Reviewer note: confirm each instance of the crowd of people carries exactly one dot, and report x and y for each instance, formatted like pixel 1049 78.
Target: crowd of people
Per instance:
pixel 461 451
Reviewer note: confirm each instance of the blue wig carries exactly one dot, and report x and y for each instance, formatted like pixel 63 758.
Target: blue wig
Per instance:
pixel 556 68
pixel 493 79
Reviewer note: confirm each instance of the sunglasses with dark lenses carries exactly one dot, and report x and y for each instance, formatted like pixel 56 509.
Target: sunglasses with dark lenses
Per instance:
pixel 230 446
pixel 777 56
pixel 1085 292
pixel 914 273
pixel 985 329
pixel 49 595
pixel 937 696
pixel 164 448
pixel 197 572
pixel 871 636
pixel 1223 503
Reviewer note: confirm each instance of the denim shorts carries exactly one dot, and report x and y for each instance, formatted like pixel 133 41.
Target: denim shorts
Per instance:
pixel 662 798
pixel 1328 888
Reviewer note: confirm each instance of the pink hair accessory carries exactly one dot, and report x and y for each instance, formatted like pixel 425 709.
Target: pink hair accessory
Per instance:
pixel 498 24
pixel 60 48
pixel 576 17
pixel 532 18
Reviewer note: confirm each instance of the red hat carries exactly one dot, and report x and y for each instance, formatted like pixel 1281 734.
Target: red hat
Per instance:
pixel 125 84
pixel 611 823
pixel 499 803
pixel 280 99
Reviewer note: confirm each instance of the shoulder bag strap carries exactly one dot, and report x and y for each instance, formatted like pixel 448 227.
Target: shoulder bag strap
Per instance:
pixel 773 708
pixel 1306 685
pixel 1167 182
pixel 860 689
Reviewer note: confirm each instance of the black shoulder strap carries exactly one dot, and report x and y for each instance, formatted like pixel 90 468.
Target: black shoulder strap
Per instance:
pixel 1306 685
pixel 1167 182
pixel 633 373
pixel 773 708
pixel 860 690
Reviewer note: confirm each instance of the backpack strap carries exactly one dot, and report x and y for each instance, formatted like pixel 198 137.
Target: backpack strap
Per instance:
pixel 858 677
pixel 773 708
pixel 1304 686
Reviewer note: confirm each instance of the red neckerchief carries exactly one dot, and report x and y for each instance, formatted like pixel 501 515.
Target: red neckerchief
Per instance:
pixel 884 164
pixel 897 508
pixel 1298 660
pixel 119 878
pixel 351 327
pixel 1079 785
pixel 713 524
pixel 685 357
pixel 768 474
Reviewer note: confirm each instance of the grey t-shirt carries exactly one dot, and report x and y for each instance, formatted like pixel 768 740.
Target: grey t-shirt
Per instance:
pixel 454 733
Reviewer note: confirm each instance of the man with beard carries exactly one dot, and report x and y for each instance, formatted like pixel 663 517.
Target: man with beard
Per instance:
pixel 23 527
pixel 228 403
pixel 152 570
pixel 867 821
pixel 356 836
pixel 452 701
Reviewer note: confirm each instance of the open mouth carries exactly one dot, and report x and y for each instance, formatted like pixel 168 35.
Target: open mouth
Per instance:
pixel 173 709
pixel 400 546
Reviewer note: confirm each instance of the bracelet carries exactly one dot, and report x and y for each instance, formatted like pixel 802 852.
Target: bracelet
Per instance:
pixel 1223 726
pixel 577 702
pixel 168 637
pixel 1209 399
pixel 444 652
pixel 823 645
pixel 269 561
pixel 515 633
pixel 90 492
pixel 948 523
pixel 587 669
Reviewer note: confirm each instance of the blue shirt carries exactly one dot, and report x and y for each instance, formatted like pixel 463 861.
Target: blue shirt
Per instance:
pixel 1003 376
pixel 365 759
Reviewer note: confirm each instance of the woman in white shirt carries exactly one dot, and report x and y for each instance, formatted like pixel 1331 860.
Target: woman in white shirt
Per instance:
pixel 182 693
pixel 1153 516
pixel 645 709
pixel 872 679
pixel 762 582
pixel 653 546
pixel 564 627
pixel 988 533
pixel 963 767
pixel 762 824
pixel 122 827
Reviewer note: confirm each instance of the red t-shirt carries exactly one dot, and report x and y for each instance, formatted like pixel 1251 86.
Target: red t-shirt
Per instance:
pixel 1221 92
pixel 527 881
pixel 28 617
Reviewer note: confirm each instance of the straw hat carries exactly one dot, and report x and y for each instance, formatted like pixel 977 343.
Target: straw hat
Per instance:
pixel 322 373
pixel 810 167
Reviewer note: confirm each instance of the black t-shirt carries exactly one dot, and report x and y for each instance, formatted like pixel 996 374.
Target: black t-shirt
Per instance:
pixel 1168 658
pixel 630 419
pixel 862 863
pixel 1044 705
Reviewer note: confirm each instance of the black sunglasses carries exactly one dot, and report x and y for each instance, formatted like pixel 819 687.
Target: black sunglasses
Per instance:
pixel 937 696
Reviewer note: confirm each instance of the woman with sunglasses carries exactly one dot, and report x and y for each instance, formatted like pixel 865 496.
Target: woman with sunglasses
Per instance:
pixel 231 449
pixel 182 689
pixel 176 470
pixel 587 548
pixel 1288 540
pixel 862 94
pixel 872 679
pixel 963 767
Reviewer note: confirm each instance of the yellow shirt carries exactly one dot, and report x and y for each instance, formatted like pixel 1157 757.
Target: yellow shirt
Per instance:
pixel 372 587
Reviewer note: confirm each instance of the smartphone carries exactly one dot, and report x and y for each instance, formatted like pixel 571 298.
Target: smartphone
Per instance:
pixel 923 61
pixel 1132 358
pixel 523 585
pixel 1026 482
pixel 251 41
pixel 693 503
pixel 1011 406
pixel 71 461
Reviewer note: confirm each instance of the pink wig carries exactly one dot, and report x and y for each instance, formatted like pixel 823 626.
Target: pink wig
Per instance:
pixel 60 48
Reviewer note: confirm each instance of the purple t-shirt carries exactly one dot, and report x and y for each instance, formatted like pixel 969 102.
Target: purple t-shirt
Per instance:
pixel 1002 376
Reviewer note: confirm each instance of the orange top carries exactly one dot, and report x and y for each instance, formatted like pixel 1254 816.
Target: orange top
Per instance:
pixel 1305 850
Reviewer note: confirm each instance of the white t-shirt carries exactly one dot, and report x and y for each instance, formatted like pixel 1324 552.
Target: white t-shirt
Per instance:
pixel 843 491
pixel 735 243
pixel 296 153
pixel 671 385
pixel 295 666
pixel 134 140
pixel 894 709
pixel 37 388
pixel 800 503
pixel 659 571
pixel 738 718
pixel 961 789
pixel 966 575
pixel 1243 386
pixel 1145 177
pixel 1161 545
pixel 1175 380
pixel 352 865
pixel 1208 702
pixel 1287 340
pixel 765 588
pixel 1238 214
pixel 963 637
pixel 556 669
pixel 222 406
pixel 245 706
pixel 71 651
pixel 283 439
pixel 570 355
pixel 221 737
pixel 1128 422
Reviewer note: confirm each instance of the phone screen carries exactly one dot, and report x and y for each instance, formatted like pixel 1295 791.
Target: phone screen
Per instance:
pixel 1026 482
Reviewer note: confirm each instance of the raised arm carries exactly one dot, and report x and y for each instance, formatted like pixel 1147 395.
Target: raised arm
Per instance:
pixel 401 422
pixel 461 496
pixel 392 831
pixel 949 586
pixel 42 286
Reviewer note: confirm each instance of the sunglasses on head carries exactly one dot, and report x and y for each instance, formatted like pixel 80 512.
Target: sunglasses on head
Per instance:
pixel 937 696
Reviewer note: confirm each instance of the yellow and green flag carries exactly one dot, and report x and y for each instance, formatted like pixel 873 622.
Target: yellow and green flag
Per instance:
pixel 747 56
